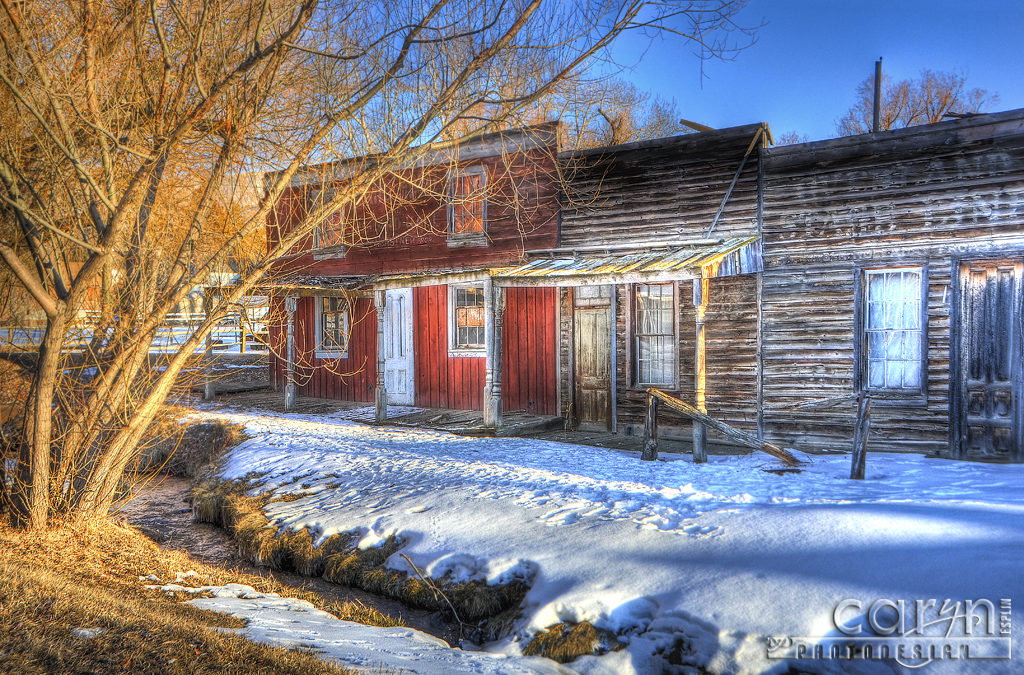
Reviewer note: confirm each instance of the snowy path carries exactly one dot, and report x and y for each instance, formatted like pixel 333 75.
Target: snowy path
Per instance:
pixel 720 555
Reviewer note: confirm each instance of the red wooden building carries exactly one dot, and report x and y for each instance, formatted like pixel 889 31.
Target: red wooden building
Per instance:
pixel 396 295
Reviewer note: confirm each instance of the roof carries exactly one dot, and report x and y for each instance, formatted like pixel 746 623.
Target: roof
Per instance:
pixel 690 261
pixel 722 258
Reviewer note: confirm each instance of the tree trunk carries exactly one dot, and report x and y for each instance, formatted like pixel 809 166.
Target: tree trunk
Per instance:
pixel 32 492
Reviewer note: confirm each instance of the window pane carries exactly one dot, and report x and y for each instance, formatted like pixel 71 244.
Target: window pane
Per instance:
pixel 469 317
pixel 893 329
pixel 656 348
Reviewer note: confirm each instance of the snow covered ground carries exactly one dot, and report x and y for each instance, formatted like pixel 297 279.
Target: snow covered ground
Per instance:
pixel 692 564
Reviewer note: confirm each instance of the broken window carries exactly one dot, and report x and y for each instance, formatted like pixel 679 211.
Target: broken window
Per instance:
pixel 334 327
pixel 467 207
pixel 655 334
pixel 467 317
pixel 893 329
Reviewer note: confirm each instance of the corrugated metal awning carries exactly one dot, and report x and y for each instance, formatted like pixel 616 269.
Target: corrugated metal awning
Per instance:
pixel 732 256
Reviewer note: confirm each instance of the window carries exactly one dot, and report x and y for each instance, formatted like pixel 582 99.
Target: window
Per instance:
pixel 466 311
pixel 467 207
pixel 655 333
pixel 893 330
pixel 332 327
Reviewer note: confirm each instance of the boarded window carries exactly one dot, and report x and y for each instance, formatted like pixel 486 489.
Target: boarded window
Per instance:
pixel 655 331
pixel 334 326
pixel 468 317
pixel 467 204
pixel 893 329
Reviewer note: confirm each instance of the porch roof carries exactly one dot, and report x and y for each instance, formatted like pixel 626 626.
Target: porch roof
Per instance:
pixel 738 255
pixel 732 256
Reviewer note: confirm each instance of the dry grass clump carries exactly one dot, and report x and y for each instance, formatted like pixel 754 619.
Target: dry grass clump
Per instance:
pixel 185 448
pixel 566 642
pixel 56 582
pixel 493 608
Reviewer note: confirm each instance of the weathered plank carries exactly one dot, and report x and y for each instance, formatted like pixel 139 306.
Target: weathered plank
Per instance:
pixel 742 437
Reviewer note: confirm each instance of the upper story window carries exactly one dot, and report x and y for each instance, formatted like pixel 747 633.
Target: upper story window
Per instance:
pixel 467 203
pixel 657 348
pixel 466 318
pixel 893 333
pixel 333 322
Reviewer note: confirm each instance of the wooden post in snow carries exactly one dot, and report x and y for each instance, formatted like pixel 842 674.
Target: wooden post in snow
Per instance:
pixel 700 304
pixel 290 305
pixel 380 393
pixel 209 386
pixel 860 437
pixel 494 323
pixel 650 452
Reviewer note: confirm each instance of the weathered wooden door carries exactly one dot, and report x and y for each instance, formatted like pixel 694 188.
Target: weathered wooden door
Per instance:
pixel 592 357
pixel 989 406
pixel 398 352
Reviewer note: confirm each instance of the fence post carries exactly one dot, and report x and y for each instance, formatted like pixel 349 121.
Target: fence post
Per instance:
pixel 860 437
pixel 650 452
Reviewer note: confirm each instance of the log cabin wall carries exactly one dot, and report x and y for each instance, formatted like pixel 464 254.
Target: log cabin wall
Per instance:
pixel 658 191
pixel 920 196
pixel 731 365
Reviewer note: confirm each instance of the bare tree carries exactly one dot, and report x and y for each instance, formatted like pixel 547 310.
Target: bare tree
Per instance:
pixel 791 138
pixel 907 103
pixel 122 122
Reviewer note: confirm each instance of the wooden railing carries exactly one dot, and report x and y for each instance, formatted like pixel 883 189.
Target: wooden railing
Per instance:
pixel 650 451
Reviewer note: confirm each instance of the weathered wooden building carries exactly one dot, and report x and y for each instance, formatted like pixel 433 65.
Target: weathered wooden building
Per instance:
pixel 770 287
pixel 893 266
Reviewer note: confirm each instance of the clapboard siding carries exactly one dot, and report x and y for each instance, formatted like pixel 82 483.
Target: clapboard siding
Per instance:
pixel 833 208
pixel 667 188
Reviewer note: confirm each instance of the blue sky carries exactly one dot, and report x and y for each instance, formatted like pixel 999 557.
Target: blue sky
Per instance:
pixel 802 72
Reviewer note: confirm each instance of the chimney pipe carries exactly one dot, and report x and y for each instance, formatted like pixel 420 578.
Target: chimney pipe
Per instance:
pixel 876 121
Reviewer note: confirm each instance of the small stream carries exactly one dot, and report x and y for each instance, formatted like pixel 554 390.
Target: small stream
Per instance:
pixel 162 512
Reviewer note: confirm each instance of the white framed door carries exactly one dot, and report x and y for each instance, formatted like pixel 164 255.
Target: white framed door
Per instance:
pixel 398 353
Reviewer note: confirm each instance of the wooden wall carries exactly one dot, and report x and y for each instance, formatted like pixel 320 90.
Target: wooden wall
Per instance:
pixel 667 188
pixel 522 214
pixel 441 381
pixel 347 379
pixel 918 196
pixel 731 332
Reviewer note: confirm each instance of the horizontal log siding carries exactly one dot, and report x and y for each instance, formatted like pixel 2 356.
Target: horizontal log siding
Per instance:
pixel 831 208
pixel 666 188
pixel 731 364
pixel 347 379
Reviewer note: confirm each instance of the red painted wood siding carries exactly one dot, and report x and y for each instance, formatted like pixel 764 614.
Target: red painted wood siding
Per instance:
pixel 348 379
pixel 529 345
pixel 522 214
pixel 441 381
pixel 528 363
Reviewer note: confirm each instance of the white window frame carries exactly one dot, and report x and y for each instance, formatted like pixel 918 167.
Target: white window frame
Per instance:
pixel 455 349
pixel 637 335
pixel 451 198
pixel 321 352
pixel 866 330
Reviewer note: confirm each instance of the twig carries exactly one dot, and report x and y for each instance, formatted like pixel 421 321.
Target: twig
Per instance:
pixel 437 592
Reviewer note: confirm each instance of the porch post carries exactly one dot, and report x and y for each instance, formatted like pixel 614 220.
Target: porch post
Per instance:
pixel 290 305
pixel 380 394
pixel 494 322
pixel 209 387
pixel 700 304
